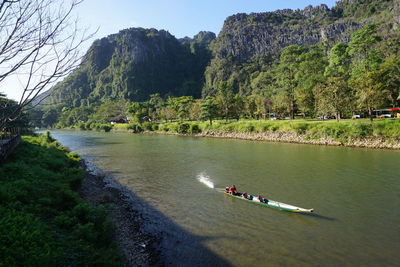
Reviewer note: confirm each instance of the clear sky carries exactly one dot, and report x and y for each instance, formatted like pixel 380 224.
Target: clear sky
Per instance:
pixel 180 17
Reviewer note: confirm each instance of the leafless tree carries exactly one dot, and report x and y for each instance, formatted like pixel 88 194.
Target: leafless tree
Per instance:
pixel 39 44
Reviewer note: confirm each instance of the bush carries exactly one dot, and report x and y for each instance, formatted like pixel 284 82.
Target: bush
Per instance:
pixel 361 130
pixel 106 127
pixel 300 128
pixel 183 128
pixel 136 128
pixel 194 128
pixel 82 126
pixel 250 128
pixel 26 241
pixel 165 128
pixel 147 126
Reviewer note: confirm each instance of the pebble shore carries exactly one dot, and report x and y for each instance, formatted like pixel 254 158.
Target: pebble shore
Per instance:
pixel 137 246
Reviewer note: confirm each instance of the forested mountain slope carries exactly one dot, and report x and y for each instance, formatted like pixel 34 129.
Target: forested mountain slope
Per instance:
pixel 250 43
pixel 137 62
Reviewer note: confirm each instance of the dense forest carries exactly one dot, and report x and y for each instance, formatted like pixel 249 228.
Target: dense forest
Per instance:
pixel 312 62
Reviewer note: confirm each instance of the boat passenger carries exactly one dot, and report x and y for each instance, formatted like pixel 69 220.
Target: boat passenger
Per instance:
pixel 227 189
pixel 245 195
pixel 232 190
pixel 260 198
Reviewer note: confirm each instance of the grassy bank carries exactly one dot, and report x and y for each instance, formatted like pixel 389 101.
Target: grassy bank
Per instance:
pixel 343 131
pixel 43 220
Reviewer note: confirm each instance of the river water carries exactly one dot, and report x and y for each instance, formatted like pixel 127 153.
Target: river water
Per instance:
pixel 354 191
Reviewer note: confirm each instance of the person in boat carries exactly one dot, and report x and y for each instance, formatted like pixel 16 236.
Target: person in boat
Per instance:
pixel 227 189
pixel 260 198
pixel 232 190
pixel 244 195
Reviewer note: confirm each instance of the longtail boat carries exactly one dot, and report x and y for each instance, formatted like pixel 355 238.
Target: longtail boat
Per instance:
pixel 271 203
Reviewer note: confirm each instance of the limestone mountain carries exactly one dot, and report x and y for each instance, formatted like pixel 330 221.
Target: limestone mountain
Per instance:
pixel 135 63
pixel 248 43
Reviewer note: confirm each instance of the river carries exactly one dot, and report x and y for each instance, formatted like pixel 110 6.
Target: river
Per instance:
pixel 354 191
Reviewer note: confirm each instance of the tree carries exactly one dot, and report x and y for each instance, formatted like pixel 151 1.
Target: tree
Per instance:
pixel 155 103
pixel 49 117
pixel 237 106
pixel 362 49
pixel 195 110
pixel 168 113
pixel 338 61
pixel 39 39
pixel 310 72
pixel 389 75
pixel 184 103
pixel 208 109
pixel 363 40
pixel 139 111
pixel 111 111
pixel 250 106
pixel 286 72
pixel 369 91
pixel 7 107
pixel 333 97
pixel 224 98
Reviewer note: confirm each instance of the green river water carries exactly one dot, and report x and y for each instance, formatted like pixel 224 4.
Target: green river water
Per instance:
pixel 355 193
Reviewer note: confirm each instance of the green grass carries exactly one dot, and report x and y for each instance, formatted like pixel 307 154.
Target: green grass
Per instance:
pixel 342 131
pixel 43 221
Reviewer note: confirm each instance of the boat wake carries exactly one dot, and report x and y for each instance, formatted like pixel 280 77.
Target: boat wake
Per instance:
pixel 204 179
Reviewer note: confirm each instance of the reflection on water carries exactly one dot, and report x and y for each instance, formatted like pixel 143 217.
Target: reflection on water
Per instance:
pixel 354 193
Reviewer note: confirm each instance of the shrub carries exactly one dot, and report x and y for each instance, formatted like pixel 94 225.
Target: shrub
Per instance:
pixel 194 128
pixel 136 128
pixel 106 127
pixel 183 128
pixel 361 130
pixel 26 241
pixel 82 126
pixel 147 126
pixel 300 128
pixel 43 221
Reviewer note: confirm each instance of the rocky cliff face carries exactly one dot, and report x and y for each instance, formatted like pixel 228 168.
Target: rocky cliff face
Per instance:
pixel 135 63
pixel 247 39
pixel 244 35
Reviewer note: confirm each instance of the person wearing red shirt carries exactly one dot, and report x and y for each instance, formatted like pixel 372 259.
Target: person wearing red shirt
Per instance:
pixel 232 190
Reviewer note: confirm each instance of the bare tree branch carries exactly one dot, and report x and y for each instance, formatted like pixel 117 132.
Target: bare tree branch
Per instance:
pixel 39 43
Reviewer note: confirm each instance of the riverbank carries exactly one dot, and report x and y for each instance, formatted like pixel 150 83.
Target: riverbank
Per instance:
pixel 53 210
pixel 137 246
pixel 380 134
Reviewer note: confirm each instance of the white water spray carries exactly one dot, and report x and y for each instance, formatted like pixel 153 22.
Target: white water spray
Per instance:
pixel 204 179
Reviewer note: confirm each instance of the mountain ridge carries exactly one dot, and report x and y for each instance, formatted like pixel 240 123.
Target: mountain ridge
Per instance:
pixel 135 63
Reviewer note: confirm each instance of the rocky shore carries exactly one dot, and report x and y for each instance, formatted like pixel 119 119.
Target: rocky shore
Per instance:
pixel 137 246
pixel 292 137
